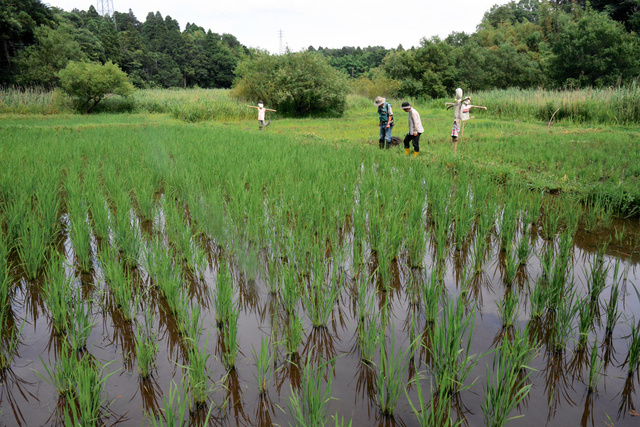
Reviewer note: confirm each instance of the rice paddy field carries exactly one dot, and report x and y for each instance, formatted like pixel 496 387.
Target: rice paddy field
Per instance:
pixel 168 269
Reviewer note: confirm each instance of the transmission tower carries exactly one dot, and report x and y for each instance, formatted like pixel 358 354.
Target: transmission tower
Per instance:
pixel 280 33
pixel 105 8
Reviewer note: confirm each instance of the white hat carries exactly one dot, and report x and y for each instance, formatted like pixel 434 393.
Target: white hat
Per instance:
pixel 379 101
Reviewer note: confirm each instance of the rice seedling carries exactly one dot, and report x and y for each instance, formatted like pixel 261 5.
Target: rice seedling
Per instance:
pixel 146 345
pixel 450 361
pixel 174 408
pixel 438 413
pixel 192 322
pixel 597 277
pixel 562 328
pixel 58 294
pixel 118 281
pixel 511 265
pixel 612 309
pixel 230 338
pixel 431 298
pixel 224 296
pixel 390 380
pixel 504 391
pixel 633 357
pixel 538 300
pixel 293 335
pixel 48 204
pixel 309 407
pixel 127 234
pixel 197 379
pixel 597 211
pixel 33 245
pixel 263 360
pixel 508 308
pixel 416 244
pixel 595 368
pixel 80 232
pixel 551 220
pixel 167 276
pixel 524 247
pixel 483 229
pixel 585 323
pixel 369 337
pixel 507 221
pixel 319 296
pixel 90 384
pixel 290 293
pixel 61 375
pixel 80 322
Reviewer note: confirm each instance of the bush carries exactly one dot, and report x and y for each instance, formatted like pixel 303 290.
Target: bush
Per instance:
pixel 297 84
pixel 88 83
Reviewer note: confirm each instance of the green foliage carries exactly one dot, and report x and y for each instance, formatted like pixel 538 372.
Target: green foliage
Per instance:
pixel 89 83
pixel 295 84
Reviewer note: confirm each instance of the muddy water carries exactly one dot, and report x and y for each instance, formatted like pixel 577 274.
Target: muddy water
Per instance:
pixel 558 396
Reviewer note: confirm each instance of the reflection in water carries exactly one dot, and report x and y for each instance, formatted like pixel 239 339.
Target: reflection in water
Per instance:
pixel 150 395
pixel 628 392
pixel 558 386
pixel 234 399
pixel 9 384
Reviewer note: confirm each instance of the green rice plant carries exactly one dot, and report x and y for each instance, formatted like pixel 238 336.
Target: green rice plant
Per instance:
pixel 181 234
pixel 585 323
pixel 524 247
pixel 58 294
pixel 166 275
pixel 90 384
pixel 551 220
pixel 274 273
pixel 620 235
pixel 197 379
pixel 61 375
pixel 118 281
pixel 390 380
pixel 293 335
pixel 562 327
pixel 10 341
pixel 595 368
pixel 192 323
pixel 464 216
pixel 633 357
pixel 504 391
pixel 431 298
pixel 507 221
pixel 483 229
pixel 145 188
pixel 98 206
pixel 450 361
pixel 416 244
pixel 365 301
pixel 174 408
pixel 81 234
pixel 290 292
pixel 438 413
pixel 146 345
pixel 224 296
pixel 48 204
pixel 597 211
pixel 309 406
pixel 369 337
pixel 597 277
pixel 80 321
pixel 127 234
pixel 230 338
pixel 612 309
pixel 33 244
pixel 532 209
pixel 319 296
pixel 508 308
pixel 263 360
pixel 511 265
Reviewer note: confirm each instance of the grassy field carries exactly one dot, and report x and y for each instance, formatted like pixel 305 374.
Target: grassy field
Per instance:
pixel 163 267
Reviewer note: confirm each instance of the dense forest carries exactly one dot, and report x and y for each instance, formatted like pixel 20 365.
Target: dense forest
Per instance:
pixel 525 43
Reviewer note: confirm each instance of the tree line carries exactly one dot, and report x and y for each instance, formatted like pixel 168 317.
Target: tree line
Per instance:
pixel 38 41
pixel 525 43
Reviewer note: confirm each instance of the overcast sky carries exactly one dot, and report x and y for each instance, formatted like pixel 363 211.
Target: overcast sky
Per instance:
pixel 327 23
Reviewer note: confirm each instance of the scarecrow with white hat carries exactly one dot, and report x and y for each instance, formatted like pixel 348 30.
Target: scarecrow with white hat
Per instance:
pixel 261 113
pixel 457 117
pixel 385 114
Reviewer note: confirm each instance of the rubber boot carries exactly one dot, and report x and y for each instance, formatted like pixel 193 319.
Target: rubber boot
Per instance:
pixel 381 142
pixel 416 153
pixel 406 151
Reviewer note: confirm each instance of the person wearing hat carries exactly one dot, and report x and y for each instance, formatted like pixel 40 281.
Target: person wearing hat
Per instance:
pixel 415 129
pixel 261 114
pixel 385 113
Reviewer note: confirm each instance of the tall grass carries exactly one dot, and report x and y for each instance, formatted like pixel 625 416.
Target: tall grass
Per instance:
pixel 602 106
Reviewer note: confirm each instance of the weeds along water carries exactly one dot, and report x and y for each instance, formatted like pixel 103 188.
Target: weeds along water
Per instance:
pixel 170 272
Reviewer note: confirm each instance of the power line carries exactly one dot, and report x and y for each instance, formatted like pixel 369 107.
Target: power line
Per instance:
pixel 280 33
pixel 105 8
